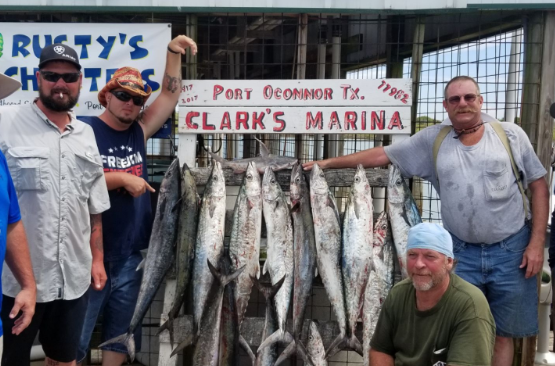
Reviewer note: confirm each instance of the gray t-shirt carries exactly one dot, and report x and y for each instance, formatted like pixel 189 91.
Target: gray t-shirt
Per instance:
pixel 480 199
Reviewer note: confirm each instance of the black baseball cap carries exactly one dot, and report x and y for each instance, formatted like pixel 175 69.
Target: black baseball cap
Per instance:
pixel 59 52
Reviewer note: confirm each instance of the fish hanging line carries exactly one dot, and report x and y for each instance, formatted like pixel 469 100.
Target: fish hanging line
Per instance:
pixel 201 145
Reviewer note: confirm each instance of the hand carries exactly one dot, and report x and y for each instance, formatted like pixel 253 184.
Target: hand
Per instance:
pixel 136 186
pixel 181 43
pixel 532 259
pixel 322 163
pixel 98 274
pixel 25 302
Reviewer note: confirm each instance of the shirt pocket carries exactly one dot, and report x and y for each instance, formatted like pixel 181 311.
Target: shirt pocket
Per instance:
pixel 497 180
pixel 29 167
pixel 88 170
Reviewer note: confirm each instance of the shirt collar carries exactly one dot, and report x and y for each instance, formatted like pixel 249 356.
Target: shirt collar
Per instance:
pixel 70 126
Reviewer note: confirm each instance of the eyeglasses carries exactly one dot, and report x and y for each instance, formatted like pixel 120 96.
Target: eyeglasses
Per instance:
pixel 126 97
pixel 54 76
pixel 469 98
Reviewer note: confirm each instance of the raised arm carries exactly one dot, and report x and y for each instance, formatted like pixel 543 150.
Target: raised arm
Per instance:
pixel 159 111
pixel 370 158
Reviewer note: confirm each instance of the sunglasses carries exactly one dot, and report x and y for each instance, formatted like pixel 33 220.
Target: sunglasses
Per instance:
pixel 54 76
pixel 469 98
pixel 126 97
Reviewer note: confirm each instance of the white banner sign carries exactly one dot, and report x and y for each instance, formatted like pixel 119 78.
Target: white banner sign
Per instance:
pixel 102 49
pixel 296 106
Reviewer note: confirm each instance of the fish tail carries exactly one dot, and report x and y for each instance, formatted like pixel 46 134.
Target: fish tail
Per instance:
pixel 191 339
pixel 223 279
pixel 336 346
pixel 247 348
pixel 275 337
pixel 303 353
pixel 169 326
pixel 354 344
pixel 268 291
pixel 127 339
pixel 288 352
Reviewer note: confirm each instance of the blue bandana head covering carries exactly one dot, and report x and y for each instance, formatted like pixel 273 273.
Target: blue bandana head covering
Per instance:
pixel 430 236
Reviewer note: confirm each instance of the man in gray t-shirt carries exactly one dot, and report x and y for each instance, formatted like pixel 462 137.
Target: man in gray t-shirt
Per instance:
pixel 481 205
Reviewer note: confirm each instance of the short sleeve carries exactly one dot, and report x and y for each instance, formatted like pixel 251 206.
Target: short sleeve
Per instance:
pixel 14 215
pixel 525 157
pixel 99 200
pixel 413 156
pixel 472 343
pixel 382 340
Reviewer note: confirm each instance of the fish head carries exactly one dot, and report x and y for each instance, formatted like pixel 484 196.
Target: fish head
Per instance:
pixel 216 183
pixel 397 189
pixel 252 180
pixel 186 175
pixel 271 189
pixel 380 229
pixel 297 186
pixel 315 346
pixel 360 182
pixel 171 178
pixel 318 183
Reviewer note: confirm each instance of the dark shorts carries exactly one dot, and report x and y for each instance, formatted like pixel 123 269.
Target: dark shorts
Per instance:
pixel 494 269
pixel 58 323
pixel 116 303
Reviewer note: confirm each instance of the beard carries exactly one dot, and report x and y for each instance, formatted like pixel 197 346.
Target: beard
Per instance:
pixel 124 120
pixel 54 103
pixel 434 279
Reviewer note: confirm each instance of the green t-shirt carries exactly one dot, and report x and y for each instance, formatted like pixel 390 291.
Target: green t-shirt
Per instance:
pixel 459 330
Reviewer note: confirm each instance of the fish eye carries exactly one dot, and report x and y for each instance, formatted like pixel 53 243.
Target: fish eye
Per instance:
pixel 398 182
pixel 216 178
pixel 322 174
pixel 249 176
pixel 384 226
pixel 357 179
pixel 298 180
pixel 273 181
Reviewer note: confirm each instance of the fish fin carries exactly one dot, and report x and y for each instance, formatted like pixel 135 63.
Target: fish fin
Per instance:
pixel 247 348
pixel 177 204
pixel 189 340
pixel 211 207
pixel 265 268
pixel 264 152
pixel 141 265
pixel 335 346
pixel 358 209
pixel 127 339
pixel 287 352
pixel 268 291
pixel 333 205
pixel 258 270
pixel 277 205
pixel 303 353
pixel 277 336
pixel 315 271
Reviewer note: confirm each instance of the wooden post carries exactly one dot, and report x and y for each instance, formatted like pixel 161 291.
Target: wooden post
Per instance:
pixel 417 54
pixel 302 42
pixel 537 96
pixel 187 154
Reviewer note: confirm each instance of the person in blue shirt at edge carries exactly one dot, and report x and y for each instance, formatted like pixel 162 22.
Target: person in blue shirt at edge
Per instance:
pixel 121 133
pixel 13 241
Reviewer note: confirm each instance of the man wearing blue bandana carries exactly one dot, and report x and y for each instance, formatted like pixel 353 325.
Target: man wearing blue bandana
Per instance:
pixel 434 317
